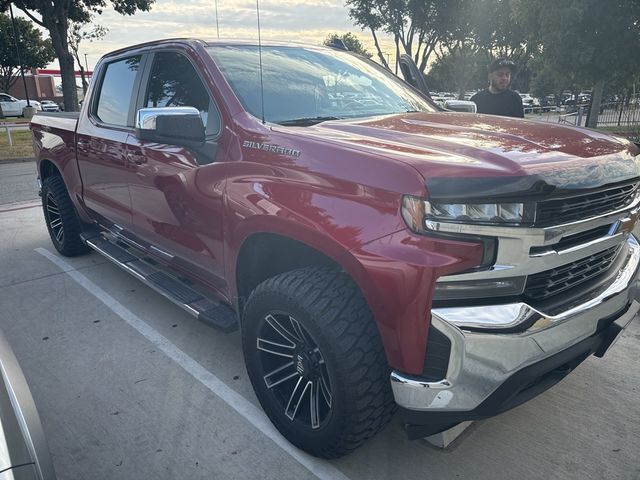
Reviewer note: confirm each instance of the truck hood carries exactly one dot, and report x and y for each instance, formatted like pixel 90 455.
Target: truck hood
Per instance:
pixel 486 152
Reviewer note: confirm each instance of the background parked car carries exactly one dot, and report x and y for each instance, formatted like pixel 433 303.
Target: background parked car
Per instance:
pixel 13 107
pixel 49 106
pixel 529 103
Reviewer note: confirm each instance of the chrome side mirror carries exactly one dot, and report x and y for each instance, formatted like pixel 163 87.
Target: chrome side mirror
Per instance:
pixel 180 126
pixel 461 106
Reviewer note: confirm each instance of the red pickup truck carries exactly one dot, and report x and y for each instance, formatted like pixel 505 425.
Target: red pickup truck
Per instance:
pixel 376 252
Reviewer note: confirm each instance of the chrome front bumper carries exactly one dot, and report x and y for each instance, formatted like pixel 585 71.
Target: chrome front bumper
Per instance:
pixel 480 363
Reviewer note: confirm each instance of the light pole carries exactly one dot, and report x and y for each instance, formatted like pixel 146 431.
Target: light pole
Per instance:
pixel 86 65
pixel 15 38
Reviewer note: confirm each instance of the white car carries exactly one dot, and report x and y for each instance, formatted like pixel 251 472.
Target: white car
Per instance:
pixel 49 106
pixel 12 107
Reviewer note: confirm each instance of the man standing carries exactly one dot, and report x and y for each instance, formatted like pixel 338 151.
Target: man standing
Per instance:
pixel 499 99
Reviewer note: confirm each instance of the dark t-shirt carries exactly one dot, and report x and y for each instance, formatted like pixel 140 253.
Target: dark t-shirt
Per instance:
pixel 507 103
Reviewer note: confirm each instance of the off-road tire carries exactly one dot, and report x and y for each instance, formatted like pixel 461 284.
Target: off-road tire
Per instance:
pixel 333 316
pixel 62 221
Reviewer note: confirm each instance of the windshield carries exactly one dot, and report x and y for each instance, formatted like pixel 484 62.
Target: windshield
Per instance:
pixel 303 84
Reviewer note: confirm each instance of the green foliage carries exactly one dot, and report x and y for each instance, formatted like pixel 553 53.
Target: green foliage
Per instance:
pixel 56 15
pixel 351 42
pixel 77 33
pixel 417 26
pixel 35 51
pixel 582 41
pixel 458 69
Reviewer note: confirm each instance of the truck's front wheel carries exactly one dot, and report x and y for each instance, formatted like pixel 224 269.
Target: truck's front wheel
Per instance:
pixel 62 220
pixel 315 360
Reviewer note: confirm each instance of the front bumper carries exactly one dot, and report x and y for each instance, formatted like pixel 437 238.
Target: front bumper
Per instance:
pixel 489 373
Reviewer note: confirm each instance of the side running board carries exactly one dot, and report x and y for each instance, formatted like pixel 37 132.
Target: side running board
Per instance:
pixel 169 284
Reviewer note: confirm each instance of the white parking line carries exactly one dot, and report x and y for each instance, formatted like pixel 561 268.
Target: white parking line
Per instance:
pixel 320 468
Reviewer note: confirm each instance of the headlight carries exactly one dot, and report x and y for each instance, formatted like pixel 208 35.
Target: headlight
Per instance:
pixel 475 212
pixel 418 212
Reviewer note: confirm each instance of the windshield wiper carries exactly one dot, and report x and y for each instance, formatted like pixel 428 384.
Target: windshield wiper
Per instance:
pixel 306 121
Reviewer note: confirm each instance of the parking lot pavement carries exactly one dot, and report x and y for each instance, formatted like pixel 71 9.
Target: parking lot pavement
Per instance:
pixel 126 400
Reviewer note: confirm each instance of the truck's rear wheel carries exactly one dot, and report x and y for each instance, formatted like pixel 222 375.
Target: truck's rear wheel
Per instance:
pixel 62 220
pixel 316 362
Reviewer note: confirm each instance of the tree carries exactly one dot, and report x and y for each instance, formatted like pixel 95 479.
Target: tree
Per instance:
pixel 417 26
pixel 350 41
pixel 54 15
pixel 35 51
pixel 459 68
pixel 584 41
pixel 78 33
pixel 487 29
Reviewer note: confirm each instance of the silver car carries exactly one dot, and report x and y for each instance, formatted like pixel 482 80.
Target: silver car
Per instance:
pixel 24 454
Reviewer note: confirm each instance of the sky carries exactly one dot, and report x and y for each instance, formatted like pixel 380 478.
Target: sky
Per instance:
pixel 309 21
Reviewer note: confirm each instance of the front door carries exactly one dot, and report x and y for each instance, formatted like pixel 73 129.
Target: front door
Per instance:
pixel 10 106
pixel 176 196
pixel 412 75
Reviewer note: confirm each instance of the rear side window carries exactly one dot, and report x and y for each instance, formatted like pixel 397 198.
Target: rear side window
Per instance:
pixel 116 91
pixel 175 83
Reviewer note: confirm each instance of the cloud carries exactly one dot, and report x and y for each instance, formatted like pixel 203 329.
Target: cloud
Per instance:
pixel 308 21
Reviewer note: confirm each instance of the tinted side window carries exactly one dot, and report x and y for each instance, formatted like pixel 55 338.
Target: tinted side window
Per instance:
pixel 175 83
pixel 117 87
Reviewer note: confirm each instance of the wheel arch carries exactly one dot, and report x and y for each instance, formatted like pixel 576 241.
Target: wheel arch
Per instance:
pixel 285 252
pixel 47 169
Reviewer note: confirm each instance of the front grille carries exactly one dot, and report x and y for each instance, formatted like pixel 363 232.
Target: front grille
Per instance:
pixel 573 240
pixel 544 285
pixel 569 209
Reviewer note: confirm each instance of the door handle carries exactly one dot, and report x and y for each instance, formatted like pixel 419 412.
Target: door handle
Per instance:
pixel 136 158
pixel 83 146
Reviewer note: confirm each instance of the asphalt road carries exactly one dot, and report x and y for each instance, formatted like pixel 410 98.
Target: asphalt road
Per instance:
pixel 130 387
pixel 17 182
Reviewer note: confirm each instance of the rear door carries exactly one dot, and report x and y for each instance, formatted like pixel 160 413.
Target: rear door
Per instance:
pixel 176 195
pixel 102 141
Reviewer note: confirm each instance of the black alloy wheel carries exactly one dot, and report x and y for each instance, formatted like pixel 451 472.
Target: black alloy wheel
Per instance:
pixel 62 221
pixel 53 218
pixel 294 369
pixel 315 360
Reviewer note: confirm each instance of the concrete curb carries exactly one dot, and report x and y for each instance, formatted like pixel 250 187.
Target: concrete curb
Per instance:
pixel 17 160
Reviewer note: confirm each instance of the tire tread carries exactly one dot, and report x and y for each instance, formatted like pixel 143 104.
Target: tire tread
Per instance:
pixel 331 296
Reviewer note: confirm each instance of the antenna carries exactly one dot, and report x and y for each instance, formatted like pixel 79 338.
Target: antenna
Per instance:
pixel 217 26
pixel 260 54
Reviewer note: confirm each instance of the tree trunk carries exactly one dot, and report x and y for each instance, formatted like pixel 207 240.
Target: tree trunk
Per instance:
pixel 379 50
pixel 69 90
pixel 85 85
pixel 596 100
pixel 59 35
pixel 397 56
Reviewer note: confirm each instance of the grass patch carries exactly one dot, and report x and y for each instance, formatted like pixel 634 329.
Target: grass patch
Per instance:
pixel 13 120
pixel 22 144
pixel 621 128
pixel 631 132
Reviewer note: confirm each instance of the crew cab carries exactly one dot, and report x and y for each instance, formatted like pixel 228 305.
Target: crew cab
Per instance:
pixel 376 252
